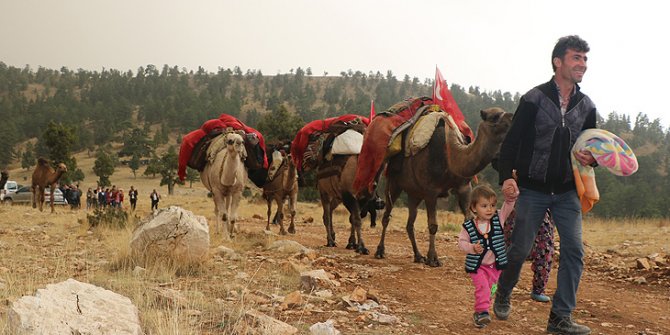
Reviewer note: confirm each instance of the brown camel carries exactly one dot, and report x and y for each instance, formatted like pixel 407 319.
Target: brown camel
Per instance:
pixel 4 176
pixel 446 164
pixel 282 184
pixel 45 176
pixel 335 179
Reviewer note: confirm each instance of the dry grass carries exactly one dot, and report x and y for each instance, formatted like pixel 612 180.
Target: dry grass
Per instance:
pixel 38 248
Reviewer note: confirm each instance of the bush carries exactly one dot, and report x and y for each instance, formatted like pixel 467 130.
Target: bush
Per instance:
pixel 108 216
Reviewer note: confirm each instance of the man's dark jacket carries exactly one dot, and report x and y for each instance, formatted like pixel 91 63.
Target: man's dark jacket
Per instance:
pixel 539 142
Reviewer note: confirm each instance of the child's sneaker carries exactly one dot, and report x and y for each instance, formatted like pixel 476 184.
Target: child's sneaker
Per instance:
pixel 539 297
pixel 481 319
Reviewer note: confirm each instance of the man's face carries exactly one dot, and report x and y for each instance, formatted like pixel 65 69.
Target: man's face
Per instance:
pixel 572 67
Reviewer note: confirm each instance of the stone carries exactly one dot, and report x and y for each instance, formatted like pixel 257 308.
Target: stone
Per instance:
pixel 293 299
pixel 640 280
pixel 643 264
pixel 73 307
pixel 359 295
pixel 288 246
pixel 227 253
pixel 384 319
pixel 173 232
pixel 324 328
pixel 311 280
pixel 266 325
pixel 170 297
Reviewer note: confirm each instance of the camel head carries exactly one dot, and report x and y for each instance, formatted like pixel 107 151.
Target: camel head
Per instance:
pixel 235 144
pixel 495 124
pixel 466 160
pixel 61 168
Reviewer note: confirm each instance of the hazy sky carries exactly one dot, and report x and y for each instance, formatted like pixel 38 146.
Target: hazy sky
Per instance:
pixel 495 45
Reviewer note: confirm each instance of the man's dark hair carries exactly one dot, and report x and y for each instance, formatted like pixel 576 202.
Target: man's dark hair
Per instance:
pixel 564 43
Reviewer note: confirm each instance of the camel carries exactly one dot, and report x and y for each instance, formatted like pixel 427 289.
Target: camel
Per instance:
pixel 225 176
pixel 446 164
pixel 335 179
pixel 45 176
pixel 4 176
pixel 282 184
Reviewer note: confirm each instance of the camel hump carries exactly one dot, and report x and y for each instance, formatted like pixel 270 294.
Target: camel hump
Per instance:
pixel 43 162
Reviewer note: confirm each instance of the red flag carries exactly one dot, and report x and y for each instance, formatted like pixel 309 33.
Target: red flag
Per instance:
pixel 372 109
pixel 442 96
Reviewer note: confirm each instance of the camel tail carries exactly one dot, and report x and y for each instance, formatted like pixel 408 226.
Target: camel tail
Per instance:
pixel 436 150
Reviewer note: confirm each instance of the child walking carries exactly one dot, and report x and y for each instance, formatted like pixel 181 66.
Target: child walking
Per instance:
pixel 483 240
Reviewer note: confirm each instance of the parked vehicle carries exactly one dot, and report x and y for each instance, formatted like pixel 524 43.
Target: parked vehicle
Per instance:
pixel 10 186
pixel 24 195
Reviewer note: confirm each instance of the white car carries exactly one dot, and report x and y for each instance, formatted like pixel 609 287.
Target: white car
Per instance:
pixel 24 195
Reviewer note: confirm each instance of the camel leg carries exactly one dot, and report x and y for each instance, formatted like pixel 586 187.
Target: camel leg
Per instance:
pixel 373 216
pixel 34 196
pixel 51 196
pixel 432 259
pixel 392 194
pixel 235 204
pixel 355 220
pixel 412 205
pixel 280 213
pixel 269 200
pixel 219 210
pixel 463 196
pixel 292 201
pixel 226 216
pixel 327 217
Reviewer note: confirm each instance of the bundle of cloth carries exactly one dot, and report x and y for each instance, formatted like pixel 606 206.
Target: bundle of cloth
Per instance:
pixel 611 152
pixel 379 142
pixel 224 121
pixel 302 138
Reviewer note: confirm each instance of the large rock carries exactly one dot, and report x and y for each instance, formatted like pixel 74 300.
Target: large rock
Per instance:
pixel 72 307
pixel 173 232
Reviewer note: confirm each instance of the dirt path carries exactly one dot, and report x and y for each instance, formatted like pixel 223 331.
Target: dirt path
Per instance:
pixel 440 300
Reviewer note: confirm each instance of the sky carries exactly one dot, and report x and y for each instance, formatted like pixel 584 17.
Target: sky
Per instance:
pixel 496 45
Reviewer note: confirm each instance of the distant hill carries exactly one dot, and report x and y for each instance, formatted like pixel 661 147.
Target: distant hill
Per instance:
pixel 171 102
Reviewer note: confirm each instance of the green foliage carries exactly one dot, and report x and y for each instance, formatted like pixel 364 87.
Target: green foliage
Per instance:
pixel 134 164
pixel 168 169
pixel 279 125
pixel 28 159
pixel 191 176
pixel 84 109
pixel 104 166
pixel 108 216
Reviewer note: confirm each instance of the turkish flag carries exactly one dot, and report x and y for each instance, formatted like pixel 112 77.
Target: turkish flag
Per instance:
pixel 372 109
pixel 442 96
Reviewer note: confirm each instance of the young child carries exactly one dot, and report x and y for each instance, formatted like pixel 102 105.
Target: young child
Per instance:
pixel 483 240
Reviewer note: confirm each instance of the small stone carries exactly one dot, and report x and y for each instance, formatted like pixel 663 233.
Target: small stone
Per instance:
pixel 293 299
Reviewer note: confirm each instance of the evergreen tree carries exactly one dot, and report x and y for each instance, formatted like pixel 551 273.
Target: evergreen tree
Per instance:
pixel 279 125
pixel 104 166
pixel 28 159
pixel 168 169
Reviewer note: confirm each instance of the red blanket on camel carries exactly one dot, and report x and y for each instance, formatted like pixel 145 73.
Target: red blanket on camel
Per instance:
pixel 224 121
pixel 301 140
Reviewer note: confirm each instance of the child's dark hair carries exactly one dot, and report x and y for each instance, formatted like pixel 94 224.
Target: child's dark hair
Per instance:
pixel 479 192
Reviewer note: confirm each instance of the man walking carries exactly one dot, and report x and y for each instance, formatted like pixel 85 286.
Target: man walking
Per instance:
pixel 546 124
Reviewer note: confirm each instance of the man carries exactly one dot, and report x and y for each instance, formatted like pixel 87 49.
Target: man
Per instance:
pixel 546 124
pixel 132 195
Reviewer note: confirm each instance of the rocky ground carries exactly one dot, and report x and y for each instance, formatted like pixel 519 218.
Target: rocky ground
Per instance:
pixel 259 279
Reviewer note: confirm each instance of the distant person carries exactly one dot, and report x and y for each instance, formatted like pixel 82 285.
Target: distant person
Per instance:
pixel 108 197
pixel 119 198
pixel 546 125
pixel 155 198
pixel 132 196
pixel 89 198
pixel 482 238
pixel 102 198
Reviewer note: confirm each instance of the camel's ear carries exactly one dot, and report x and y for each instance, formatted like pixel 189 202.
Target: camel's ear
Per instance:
pixel 490 115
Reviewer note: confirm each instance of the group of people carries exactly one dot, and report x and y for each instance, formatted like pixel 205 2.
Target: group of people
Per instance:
pixel 115 197
pixel 539 194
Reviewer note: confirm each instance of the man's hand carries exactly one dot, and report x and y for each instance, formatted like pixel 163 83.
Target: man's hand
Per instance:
pixel 477 248
pixel 585 157
pixel 510 189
